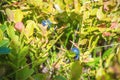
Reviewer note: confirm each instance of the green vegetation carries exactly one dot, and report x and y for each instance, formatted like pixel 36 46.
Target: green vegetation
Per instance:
pixel 59 39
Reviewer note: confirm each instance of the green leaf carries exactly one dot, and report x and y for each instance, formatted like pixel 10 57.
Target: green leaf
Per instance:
pixel 40 76
pixel 4 50
pixel 70 54
pixel 23 52
pixel 100 74
pixel 118 54
pixel 36 3
pixel 77 5
pixel 83 41
pixel 91 29
pixel 86 15
pixel 18 15
pixel 107 53
pixel 68 2
pixel 94 43
pixel 90 42
pixel 29 30
pixel 84 1
pixel 22 62
pixel 4 43
pixel 59 78
pixel 16 41
pixel 3 27
pixel 93 12
pixel 14 38
pixel 57 7
pixel 10 14
pixel 60 3
pixel 108 61
pixel 11 32
pixel 24 73
pixel 1 35
pixel 76 70
pixel 94 63
pixel 100 14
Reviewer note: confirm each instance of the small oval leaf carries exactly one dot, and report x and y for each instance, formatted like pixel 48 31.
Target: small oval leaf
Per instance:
pixel 4 43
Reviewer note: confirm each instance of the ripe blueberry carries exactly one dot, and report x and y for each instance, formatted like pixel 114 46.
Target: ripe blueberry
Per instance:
pixel 75 50
pixel 46 23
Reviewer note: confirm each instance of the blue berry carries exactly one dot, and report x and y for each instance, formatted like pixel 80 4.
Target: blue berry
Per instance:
pixel 76 57
pixel 76 51
pixel 46 23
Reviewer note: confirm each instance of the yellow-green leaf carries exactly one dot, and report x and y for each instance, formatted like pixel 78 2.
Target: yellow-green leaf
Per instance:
pixel 76 5
pixel 60 3
pixel 100 14
pixel 18 15
pixel 83 41
pixel 93 12
pixel 1 35
pixel 10 14
pixel 100 74
pixel 14 38
pixel 108 61
pixel 86 15
pixel 76 70
pixel 29 30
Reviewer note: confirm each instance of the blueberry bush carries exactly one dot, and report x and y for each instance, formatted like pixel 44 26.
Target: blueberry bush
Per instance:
pixel 59 39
